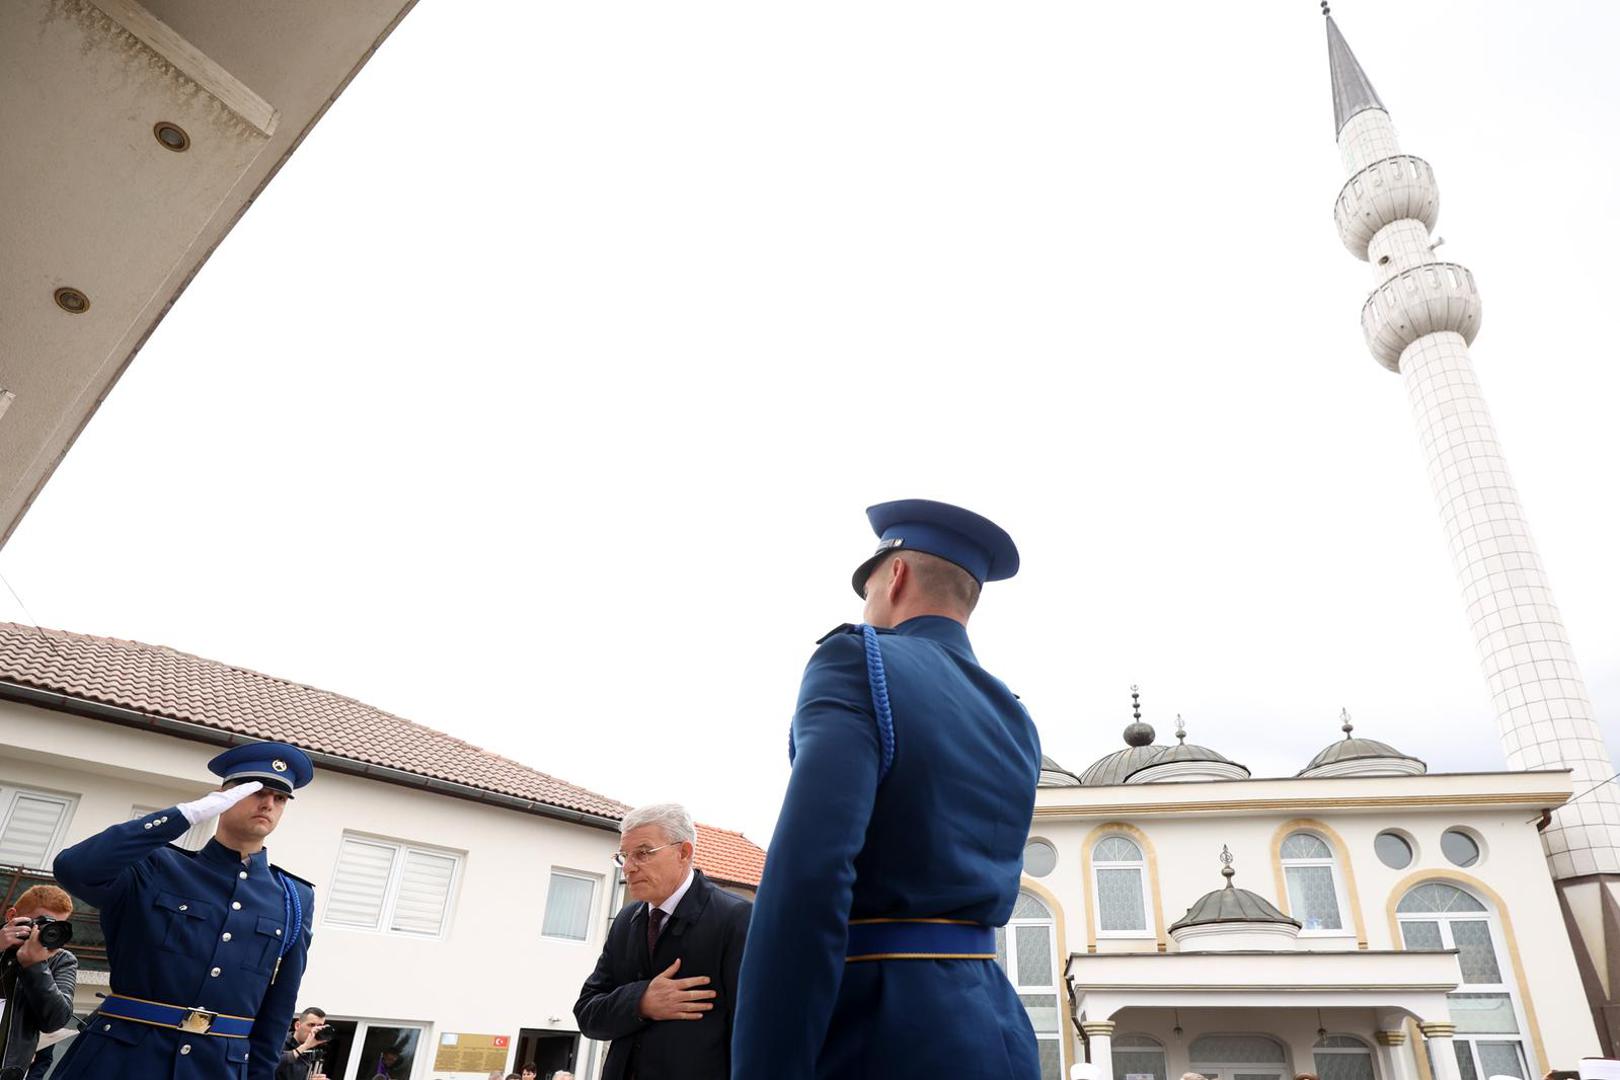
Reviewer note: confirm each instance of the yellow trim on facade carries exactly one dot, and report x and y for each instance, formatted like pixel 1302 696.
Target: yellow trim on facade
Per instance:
pixel 1417 877
pixel 1341 852
pixel 1420 1047
pixel 1527 799
pixel 1149 855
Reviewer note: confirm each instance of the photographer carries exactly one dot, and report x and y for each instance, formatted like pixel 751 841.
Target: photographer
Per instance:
pixel 36 983
pixel 304 1046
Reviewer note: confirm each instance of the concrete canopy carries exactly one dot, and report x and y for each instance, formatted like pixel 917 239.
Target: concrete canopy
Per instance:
pixel 136 134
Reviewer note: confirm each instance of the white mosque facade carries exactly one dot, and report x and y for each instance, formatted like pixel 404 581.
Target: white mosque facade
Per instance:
pixel 1376 921
pixel 1379 922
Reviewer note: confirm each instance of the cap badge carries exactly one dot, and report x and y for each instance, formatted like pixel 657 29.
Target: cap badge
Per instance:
pixel 891 542
pixel 279 765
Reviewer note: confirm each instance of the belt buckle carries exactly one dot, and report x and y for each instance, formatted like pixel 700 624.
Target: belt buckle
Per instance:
pixel 197 1021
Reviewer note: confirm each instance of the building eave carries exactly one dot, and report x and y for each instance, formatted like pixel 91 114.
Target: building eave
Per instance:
pixel 193 732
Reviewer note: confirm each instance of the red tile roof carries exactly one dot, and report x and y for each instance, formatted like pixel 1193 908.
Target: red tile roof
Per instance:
pixel 728 857
pixel 160 681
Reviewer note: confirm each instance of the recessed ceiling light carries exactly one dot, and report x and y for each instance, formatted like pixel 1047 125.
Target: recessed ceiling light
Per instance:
pixel 171 136
pixel 72 301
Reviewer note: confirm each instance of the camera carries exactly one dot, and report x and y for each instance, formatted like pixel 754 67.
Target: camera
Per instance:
pixel 50 933
pixel 325 1033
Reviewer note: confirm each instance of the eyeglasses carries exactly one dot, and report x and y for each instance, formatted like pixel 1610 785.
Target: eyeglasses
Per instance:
pixel 639 856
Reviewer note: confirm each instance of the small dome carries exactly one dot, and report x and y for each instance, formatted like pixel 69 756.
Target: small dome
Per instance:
pixel 1185 761
pixel 1114 768
pixel 1139 751
pixel 1055 775
pixel 1234 919
pixel 1232 905
pixel 1353 756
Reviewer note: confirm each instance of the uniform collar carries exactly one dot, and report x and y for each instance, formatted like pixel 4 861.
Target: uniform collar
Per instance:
pixel 216 852
pixel 940 628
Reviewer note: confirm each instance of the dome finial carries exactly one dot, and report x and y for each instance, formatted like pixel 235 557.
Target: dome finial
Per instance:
pixel 1226 865
pixel 1344 722
pixel 1138 733
pixel 1326 11
pixel 1181 730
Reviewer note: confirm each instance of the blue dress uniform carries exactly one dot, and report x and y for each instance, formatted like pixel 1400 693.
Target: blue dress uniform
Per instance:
pixel 898 850
pixel 207 950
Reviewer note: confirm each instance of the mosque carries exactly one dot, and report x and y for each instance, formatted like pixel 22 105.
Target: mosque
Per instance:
pixel 1366 918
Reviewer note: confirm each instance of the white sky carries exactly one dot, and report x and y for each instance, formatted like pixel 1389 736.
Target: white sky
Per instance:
pixel 540 396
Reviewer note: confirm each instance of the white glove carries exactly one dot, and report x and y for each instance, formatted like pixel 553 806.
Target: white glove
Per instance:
pixel 216 803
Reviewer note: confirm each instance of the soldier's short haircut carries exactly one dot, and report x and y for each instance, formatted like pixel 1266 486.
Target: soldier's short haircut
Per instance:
pixel 44 898
pixel 943 579
pixel 670 817
pixel 310 1010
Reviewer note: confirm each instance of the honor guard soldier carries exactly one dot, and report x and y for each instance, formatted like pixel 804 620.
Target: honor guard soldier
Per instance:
pixel 872 951
pixel 207 947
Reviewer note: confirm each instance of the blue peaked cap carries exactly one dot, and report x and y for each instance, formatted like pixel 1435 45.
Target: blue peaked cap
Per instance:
pixel 277 765
pixel 976 544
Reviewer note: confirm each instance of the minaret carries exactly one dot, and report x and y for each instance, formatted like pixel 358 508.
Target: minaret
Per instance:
pixel 1419 320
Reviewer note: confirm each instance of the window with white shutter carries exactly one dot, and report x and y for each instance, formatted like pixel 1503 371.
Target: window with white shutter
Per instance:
pixel 424 893
pixel 397 888
pixel 568 906
pixel 31 826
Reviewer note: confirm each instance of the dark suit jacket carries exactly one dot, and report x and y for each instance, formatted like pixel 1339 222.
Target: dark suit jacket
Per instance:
pixel 706 933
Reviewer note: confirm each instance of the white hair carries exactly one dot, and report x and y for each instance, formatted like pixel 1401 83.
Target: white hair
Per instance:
pixel 672 818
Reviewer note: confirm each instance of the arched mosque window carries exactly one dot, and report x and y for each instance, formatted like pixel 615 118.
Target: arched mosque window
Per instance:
pixel 1342 1057
pixel 1485 1007
pixel 1120 878
pixel 1313 885
pixel 1032 967
pixel 1139 1055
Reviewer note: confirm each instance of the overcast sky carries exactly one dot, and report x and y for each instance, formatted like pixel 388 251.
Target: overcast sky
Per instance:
pixel 540 396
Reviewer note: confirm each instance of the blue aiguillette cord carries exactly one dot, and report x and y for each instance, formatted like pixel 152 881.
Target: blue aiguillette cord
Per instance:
pixel 293 912
pixel 878 682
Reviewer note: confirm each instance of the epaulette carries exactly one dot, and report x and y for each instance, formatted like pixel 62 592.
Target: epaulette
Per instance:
pixel 284 872
pixel 841 628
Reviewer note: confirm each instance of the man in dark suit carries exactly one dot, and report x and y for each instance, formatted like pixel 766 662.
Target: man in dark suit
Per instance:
pixel 665 987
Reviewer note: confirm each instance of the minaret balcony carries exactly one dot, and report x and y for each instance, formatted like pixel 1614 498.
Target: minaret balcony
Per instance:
pixel 1391 189
pixel 1426 299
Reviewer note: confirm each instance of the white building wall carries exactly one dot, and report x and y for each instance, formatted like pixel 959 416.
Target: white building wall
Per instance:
pixel 492 972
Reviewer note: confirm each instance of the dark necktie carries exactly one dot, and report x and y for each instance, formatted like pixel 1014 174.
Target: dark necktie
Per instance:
pixel 655 923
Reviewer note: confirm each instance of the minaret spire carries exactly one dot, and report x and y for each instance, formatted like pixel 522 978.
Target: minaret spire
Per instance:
pixel 1419 320
pixel 1352 90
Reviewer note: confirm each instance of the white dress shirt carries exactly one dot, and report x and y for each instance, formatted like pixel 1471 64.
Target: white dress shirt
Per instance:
pixel 673 901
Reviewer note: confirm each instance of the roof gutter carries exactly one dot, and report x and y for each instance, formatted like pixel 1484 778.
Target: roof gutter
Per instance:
pixel 185 729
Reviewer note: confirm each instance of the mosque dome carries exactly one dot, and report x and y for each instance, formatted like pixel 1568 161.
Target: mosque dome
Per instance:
pixel 1140 751
pixel 1055 775
pixel 1232 919
pixel 1353 756
pixel 1187 761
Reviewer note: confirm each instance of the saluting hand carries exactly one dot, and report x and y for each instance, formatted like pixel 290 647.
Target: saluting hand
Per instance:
pixel 216 803
pixel 669 998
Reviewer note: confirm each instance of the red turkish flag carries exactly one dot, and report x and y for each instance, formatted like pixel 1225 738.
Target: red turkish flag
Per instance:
pixel 503 1041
